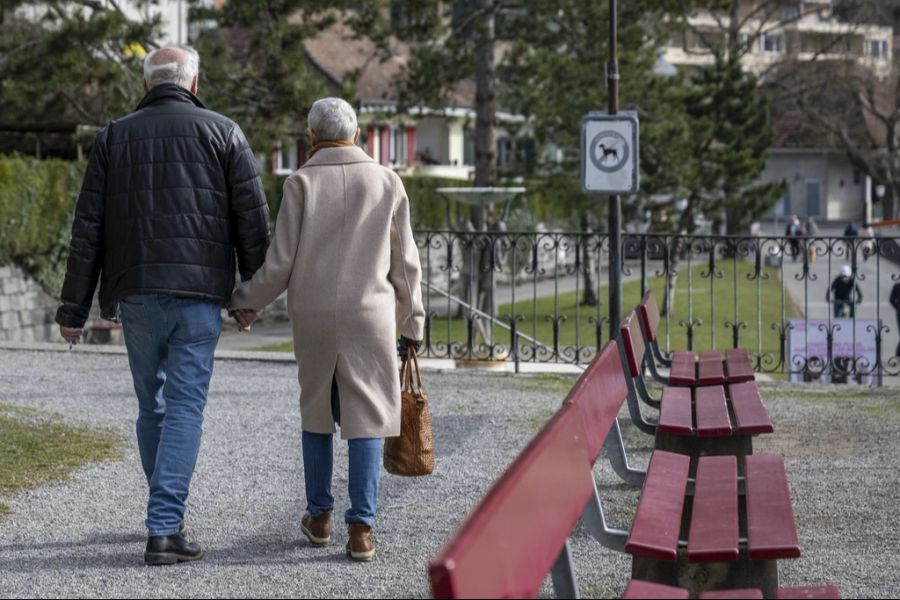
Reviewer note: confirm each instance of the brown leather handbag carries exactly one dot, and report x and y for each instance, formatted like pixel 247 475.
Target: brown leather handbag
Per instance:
pixel 411 454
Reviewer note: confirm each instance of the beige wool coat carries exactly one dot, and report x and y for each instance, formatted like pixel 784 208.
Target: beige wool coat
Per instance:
pixel 344 251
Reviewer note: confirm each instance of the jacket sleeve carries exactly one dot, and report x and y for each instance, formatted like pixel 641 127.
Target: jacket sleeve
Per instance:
pixel 86 249
pixel 406 270
pixel 274 276
pixel 248 211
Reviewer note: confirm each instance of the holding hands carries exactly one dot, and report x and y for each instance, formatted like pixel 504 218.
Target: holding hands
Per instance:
pixel 245 317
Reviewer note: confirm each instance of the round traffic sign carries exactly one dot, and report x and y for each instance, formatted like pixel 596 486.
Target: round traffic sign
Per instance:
pixel 608 151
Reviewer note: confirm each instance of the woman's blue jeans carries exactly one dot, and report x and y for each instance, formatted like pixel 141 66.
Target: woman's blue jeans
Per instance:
pixel 364 476
pixel 170 345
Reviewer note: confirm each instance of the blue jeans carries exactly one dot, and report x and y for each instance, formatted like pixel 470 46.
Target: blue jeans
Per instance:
pixel 365 474
pixel 170 345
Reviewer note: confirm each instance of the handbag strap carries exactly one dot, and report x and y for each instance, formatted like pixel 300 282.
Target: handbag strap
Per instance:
pixel 407 368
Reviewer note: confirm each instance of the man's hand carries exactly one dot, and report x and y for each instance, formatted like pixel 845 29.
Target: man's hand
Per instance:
pixel 404 344
pixel 245 318
pixel 71 334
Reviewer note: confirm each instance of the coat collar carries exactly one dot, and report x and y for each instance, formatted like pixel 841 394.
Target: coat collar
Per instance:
pixel 165 93
pixel 338 156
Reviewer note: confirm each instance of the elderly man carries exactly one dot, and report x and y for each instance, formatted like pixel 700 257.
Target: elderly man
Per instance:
pixel 344 250
pixel 170 196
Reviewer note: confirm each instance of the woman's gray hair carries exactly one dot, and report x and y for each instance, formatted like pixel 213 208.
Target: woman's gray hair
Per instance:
pixel 332 119
pixel 172 64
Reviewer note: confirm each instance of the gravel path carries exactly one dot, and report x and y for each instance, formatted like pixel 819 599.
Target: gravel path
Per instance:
pixel 85 537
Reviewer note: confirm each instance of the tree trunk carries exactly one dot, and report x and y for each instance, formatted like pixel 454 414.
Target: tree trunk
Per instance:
pixel 485 156
pixel 589 298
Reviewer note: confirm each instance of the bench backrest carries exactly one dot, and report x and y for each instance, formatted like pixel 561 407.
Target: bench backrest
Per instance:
pixel 649 313
pixel 633 343
pixel 511 539
pixel 509 542
pixel 599 394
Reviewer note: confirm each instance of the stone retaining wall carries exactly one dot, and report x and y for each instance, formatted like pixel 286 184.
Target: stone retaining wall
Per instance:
pixel 26 311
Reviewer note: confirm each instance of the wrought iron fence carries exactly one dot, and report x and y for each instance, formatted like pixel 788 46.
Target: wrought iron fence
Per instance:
pixel 541 297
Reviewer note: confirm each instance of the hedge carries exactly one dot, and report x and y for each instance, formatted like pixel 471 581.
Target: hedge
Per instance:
pixel 37 201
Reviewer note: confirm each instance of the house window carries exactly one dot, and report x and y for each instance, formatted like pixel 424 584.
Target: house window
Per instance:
pixel 878 48
pixel 791 12
pixel 286 157
pixel 745 41
pixel 398 148
pixel 504 151
pixel 771 43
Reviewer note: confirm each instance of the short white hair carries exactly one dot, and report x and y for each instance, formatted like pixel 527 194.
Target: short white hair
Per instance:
pixel 332 119
pixel 172 64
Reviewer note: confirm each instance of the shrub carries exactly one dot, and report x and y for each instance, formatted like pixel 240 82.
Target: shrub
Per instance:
pixel 37 202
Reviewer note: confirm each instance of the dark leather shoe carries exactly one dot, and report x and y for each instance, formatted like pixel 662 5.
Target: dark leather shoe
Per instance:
pixel 317 529
pixel 170 549
pixel 360 546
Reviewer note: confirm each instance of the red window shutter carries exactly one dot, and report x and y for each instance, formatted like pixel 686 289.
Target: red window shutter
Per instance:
pixel 370 141
pixel 385 145
pixel 410 144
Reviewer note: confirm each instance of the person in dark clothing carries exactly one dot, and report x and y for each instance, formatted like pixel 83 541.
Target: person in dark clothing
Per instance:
pixel 171 200
pixel 895 302
pixel 844 293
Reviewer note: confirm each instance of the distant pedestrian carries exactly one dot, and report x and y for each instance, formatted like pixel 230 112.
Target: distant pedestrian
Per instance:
pixel 868 245
pixel 844 294
pixel 792 232
pixel 895 302
pixel 812 231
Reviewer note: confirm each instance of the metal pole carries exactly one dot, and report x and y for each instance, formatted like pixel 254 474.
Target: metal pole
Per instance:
pixel 614 217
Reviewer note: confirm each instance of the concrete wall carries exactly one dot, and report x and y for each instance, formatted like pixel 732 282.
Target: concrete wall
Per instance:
pixel 26 311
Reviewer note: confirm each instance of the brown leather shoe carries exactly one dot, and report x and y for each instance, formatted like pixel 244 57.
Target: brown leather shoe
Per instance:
pixel 317 529
pixel 360 546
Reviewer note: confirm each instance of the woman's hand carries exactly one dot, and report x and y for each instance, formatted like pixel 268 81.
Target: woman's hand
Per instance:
pixel 245 317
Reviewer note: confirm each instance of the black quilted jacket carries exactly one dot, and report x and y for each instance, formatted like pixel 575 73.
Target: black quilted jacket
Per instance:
pixel 171 196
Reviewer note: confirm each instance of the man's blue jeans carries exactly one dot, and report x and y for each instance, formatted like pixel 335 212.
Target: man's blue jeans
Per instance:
pixel 365 473
pixel 170 345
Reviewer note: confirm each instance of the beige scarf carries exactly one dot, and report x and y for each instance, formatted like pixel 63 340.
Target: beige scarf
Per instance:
pixel 331 144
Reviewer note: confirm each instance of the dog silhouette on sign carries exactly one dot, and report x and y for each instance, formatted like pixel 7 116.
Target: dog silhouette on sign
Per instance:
pixel 608 152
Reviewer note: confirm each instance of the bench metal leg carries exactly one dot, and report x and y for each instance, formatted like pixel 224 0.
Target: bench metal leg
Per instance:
pixel 634 411
pixel 644 393
pixel 654 370
pixel 595 522
pixel 659 355
pixel 565 584
pixel 614 448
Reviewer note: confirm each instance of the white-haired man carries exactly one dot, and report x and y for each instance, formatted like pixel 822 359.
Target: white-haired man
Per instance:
pixel 171 195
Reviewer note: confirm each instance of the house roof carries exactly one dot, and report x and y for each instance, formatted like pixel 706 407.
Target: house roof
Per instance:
pixel 344 58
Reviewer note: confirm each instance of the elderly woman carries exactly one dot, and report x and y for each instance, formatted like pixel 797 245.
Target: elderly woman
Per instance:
pixel 344 250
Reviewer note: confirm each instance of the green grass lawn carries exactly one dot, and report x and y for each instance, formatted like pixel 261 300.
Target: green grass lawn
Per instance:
pixel 577 324
pixel 732 299
pixel 36 447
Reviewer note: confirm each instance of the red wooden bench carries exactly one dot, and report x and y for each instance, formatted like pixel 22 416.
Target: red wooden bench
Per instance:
pixel 709 420
pixel 712 367
pixel 519 531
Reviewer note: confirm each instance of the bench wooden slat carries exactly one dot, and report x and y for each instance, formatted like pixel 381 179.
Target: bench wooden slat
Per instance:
pixel 749 410
pixel 649 312
pixel 654 532
pixel 675 414
pixel 750 593
pixel 712 412
pixel 713 535
pixel 509 542
pixel 638 590
pixel 599 393
pixel 683 371
pixel 633 343
pixel 810 591
pixel 771 529
pixel 738 365
pixel 710 369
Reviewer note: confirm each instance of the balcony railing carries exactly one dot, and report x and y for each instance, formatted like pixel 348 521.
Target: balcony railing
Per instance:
pixel 542 297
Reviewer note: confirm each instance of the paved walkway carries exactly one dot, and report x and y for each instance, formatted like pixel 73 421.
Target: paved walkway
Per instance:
pixel 85 537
